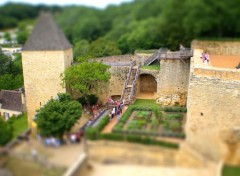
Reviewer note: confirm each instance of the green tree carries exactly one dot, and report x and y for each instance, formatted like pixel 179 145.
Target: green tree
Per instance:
pixel 58 116
pixel 81 49
pixel 5 132
pixel 7 36
pixel 5 63
pixel 86 78
pixel 11 82
pixel 103 47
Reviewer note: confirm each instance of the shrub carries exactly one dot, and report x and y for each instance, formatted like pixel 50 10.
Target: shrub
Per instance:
pixel 92 99
pixel 103 122
pixel 175 109
pixel 174 116
pixel 5 132
pixel 112 136
pixel 93 132
pixel 119 126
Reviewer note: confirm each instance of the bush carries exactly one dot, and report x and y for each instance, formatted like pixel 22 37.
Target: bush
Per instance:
pixel 104 121
pixel 175 109
pixel 92 99
pixel 5 132
pixel 119 126
pixel 138 139
pixel 94 132
pixel 112 136
pixel 91 133
pixel 174 116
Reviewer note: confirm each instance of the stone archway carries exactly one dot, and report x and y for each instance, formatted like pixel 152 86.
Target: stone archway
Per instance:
pixel 147 86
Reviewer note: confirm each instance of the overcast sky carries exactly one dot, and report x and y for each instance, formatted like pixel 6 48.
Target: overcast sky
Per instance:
pixel 93 3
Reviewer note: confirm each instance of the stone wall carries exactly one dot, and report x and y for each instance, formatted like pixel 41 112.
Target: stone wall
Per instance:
pixel 218 47
pixel 173 82
pixel 116 82
pixel 147 83
pixel 213 123
pixel 41 71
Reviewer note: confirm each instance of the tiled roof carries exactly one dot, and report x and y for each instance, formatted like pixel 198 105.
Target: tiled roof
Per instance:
pixel 46 35
pixel 11 100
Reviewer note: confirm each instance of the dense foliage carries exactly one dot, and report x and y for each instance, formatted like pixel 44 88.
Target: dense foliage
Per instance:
pixel 148 24
pixel 86 78
pixel 141 24
pixel 58 116
pixel 13 13
pixel 11 76
pixel 5 132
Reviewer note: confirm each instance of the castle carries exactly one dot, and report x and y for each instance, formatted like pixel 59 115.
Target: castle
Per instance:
pixel 211 94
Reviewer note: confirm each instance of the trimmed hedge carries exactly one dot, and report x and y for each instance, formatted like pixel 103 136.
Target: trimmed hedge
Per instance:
pixel 93 132
pixel 175 109
pixel 138 139
pixel 132 108
pixel 173 116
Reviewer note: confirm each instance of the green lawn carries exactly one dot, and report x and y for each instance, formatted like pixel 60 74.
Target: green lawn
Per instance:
pixel 145 102
pixel 231 170
pixel 152 67
pixel 19 124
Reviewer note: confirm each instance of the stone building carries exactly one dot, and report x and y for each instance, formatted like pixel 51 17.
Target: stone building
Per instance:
pixel 45 55
pixel 12 102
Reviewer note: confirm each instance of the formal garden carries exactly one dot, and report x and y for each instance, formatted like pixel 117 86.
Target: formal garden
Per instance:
pixel 143 122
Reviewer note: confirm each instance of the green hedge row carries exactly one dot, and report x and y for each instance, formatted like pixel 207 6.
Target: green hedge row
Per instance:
pixel 138 139
pixel 175 109
pixel 93 132
pixel 129 111
pixel 174 116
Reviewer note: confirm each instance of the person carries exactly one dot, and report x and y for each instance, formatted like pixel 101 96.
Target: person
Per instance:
pixel 207 56
pixel 238 66
pixel 118 116
pixel 113 112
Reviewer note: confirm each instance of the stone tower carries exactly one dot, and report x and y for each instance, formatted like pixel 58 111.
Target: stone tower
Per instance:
pixel 46 54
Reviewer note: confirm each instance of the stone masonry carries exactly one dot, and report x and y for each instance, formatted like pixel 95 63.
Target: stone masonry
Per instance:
pixel 173 82
pixel 41 70
pixel 213 123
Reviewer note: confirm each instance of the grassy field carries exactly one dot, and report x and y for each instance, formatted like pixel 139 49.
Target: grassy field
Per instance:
pixel 19 124
pixel 145 102
pixel 231 170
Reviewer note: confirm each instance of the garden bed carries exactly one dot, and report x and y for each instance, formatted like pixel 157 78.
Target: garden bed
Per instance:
pixel 151 120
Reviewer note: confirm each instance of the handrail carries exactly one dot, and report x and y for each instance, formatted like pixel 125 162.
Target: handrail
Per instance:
pixel 177 54
pixel 156 55
pixel 117 63
pixel 128 78
pixel 134 82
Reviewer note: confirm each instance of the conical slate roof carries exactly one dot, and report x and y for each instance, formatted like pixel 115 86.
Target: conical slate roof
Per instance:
pixel 46 35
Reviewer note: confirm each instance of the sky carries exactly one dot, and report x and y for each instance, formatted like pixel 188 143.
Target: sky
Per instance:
pixel 92 3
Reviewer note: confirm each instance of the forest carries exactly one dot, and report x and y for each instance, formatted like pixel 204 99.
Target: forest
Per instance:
pixel 138 25
pixel 141 24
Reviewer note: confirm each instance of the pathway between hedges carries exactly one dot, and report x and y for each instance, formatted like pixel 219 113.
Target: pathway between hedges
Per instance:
pixel 108 128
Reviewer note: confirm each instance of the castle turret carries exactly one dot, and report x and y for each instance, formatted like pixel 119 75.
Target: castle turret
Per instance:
pixel 46 54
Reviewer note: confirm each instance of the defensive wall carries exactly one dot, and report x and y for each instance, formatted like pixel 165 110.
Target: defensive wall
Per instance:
pixel 213 123
pixel 173 82
pixel 218 47
pixel 170 84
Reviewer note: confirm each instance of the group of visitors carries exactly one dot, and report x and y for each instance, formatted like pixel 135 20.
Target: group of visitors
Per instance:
pixel 117 109
pixel 205 58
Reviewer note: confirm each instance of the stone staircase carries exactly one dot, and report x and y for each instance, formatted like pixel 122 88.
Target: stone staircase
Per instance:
pixel 129 87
